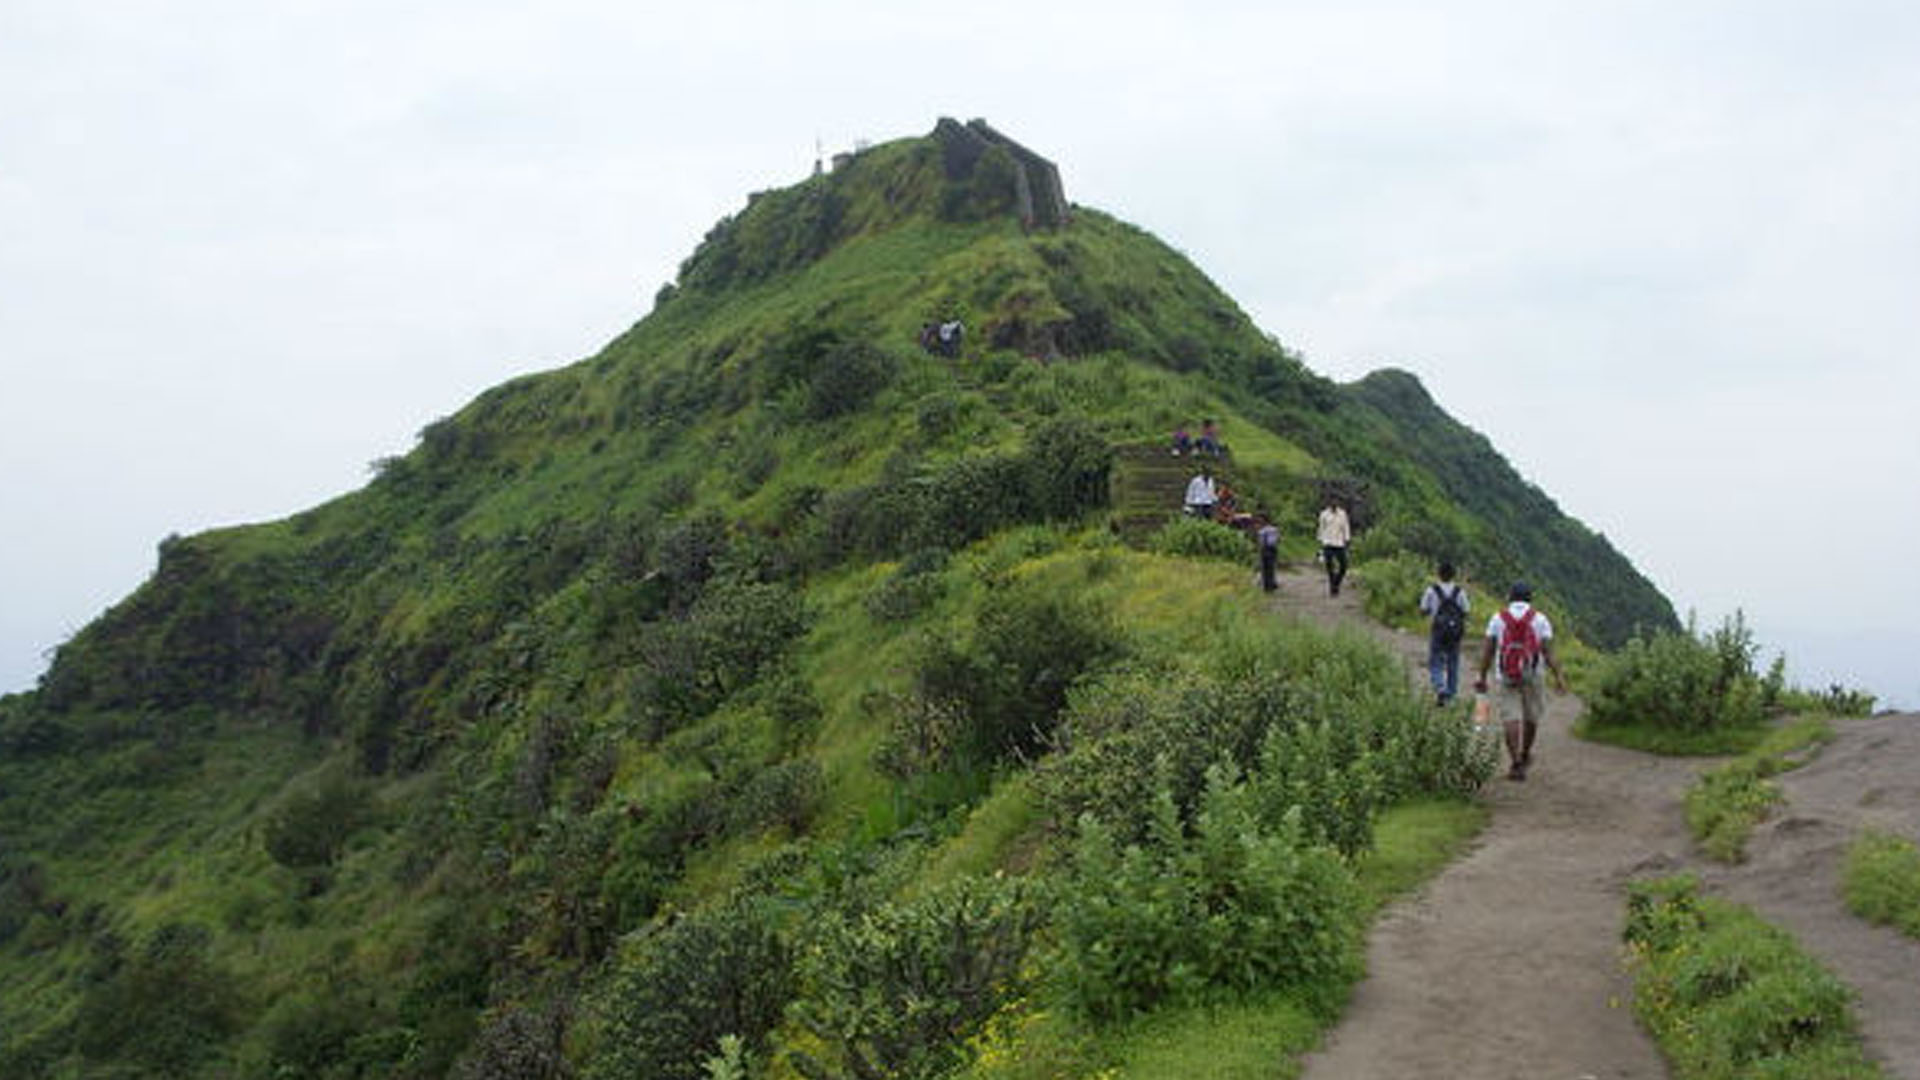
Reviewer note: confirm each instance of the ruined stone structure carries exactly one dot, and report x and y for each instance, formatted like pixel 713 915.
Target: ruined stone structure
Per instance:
pixel 1039 195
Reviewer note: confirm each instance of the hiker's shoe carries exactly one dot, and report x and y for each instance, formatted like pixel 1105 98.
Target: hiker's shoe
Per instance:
pixel 1518 772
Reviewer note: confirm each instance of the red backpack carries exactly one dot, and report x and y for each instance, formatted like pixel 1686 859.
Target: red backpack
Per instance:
pixel 1519 646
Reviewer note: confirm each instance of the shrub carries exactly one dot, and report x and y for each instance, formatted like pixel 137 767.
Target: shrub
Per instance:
pixel 517 1043
pixel 1835 700
pixel 1336 733
pixel 786 795
pixel 163 1009
pixel 997 696
pixel 732 633
pixel 848 376
pixel 1682 682
pixel 679 987
pixel 310 827
pixel 1392 589
pixel 1068 463
pixel 910 589
pixel 1882 881
pixel 1236 905
pixel 895 991
pixel 1189 537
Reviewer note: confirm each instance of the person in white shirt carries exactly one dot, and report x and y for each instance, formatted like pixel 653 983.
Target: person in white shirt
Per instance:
pixel 1201 495
pixel 1334 533
pixel 1522 637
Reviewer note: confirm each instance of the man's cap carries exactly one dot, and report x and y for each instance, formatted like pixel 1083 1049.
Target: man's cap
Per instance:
pixel 1520 591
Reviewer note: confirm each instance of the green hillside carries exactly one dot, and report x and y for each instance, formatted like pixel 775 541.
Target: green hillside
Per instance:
pixel 767 675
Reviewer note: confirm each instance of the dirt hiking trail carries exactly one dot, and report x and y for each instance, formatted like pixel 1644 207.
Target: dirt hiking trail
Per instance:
pixel 1507 966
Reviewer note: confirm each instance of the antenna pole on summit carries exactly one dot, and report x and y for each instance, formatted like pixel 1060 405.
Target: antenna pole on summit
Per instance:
pixel 817 152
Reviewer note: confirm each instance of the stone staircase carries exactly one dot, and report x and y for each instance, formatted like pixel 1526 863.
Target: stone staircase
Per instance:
pixel 1149 486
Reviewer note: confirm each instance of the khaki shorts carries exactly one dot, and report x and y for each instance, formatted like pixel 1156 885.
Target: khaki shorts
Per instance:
pixel 1528 701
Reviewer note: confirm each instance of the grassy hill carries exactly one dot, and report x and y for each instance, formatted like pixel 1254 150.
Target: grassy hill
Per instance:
pixel 764 675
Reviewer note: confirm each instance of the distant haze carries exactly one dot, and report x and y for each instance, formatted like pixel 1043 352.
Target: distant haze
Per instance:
pixel 1663 255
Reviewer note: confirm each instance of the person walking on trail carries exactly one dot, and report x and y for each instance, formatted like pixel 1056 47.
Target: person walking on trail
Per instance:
pixel 1268 536
pixel 1445 602
pixel 1520 636
pixel 1201 495
pixel 1334 534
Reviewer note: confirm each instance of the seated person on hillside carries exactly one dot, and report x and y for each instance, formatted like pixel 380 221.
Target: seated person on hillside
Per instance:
pixel 1200 496
pixel 1225 502
pixel 1209 441
pixel 1182 442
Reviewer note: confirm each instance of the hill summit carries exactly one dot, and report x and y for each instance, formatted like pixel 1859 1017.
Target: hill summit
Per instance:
pixel 655 698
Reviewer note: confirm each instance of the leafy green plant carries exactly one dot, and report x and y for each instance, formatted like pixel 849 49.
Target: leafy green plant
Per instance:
pixel 997 696
pixel 1235 905
pixel 1682 683
pixel 1881 881
pixel 1192 538
pixel 896 990
pixel 681 986
pixel 310 827
pixel 162 1008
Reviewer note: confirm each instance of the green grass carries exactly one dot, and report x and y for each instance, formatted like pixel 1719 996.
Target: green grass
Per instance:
pixel 1674 742
pixel 1725 804
pixel 1729 997
pixel 1413 842
pixel 1882 881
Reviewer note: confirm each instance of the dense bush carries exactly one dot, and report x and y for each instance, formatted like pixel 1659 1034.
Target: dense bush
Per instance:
pixel 910 589
pixel 1336 736
pixel 688 665
pixel 310 826
pixel 896 990
pixel 1068 463
pixel 1234 905
pixel 1195 539
pixel 1729 997
pixel 679 987
pixel 995 697
pixel 849 375
pixel 161 1009
pixel 1682 682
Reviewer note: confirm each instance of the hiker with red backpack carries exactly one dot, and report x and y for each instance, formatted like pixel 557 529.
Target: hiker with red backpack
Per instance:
pixel 1521 638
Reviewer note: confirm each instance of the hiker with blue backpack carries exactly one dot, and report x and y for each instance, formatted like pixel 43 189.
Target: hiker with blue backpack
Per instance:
pixel 1445 602
pixel 1521 638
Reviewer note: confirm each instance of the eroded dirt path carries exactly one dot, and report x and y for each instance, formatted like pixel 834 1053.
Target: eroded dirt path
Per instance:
pixel 1868 778
pixel 1507 966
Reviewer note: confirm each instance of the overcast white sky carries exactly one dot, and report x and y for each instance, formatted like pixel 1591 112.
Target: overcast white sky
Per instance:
pixel 1666 255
